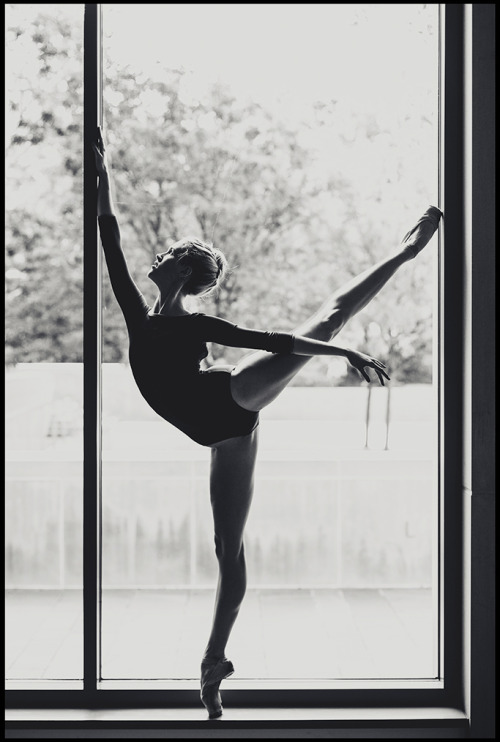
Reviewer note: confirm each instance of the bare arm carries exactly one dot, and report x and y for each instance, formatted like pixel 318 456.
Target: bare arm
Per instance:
pixel 218 330
pixel 104 196
pixel 303 346
pixel 128 295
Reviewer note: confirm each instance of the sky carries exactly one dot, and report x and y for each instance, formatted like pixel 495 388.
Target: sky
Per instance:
pixel 373 54
pixel 378 60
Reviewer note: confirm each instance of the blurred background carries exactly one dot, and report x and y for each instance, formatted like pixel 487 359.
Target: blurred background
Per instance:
pixel 303 141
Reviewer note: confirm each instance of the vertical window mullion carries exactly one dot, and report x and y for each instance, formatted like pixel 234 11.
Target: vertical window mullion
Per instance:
pixel 452 347
pixel 91 352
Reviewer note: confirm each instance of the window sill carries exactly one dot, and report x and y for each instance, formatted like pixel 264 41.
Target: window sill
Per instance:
pixel 238 722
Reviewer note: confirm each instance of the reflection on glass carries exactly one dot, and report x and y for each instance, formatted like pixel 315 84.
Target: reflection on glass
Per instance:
pixel 304 167
pixel 43 301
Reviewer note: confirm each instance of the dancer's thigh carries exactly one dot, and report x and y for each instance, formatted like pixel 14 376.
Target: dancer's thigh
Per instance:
pixel 231 486
pixel 260 377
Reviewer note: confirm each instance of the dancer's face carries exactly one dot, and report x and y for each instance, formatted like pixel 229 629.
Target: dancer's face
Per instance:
pixel 166 270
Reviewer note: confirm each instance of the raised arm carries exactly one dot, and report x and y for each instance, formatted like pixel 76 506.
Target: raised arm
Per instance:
pixel 105 205
pixel 129 297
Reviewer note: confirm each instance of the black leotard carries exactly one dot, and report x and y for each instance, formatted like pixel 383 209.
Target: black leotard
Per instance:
pixel 165 354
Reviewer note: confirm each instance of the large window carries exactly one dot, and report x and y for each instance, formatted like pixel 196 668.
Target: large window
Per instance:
pixel 305 167
pixel 286 176
pixel 44 331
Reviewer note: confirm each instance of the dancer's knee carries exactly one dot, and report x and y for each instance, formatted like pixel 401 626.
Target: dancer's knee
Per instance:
pixel 330 321
pixel 336 319
pixel 228 549
pixel 232 571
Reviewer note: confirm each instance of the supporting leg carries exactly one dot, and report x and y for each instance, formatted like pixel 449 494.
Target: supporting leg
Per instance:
pixel 231 490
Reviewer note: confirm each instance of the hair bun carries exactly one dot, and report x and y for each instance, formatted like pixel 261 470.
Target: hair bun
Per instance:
pixel 220 264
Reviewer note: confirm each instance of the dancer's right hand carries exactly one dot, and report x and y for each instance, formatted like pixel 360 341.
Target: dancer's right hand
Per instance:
pixel 359 361
pixel 101 160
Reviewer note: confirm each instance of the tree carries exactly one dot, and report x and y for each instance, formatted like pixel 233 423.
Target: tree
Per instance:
pixel 216 168
pixel 293 224
pixel 43 186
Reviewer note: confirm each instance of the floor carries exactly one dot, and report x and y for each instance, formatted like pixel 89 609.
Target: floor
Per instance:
pixel 280 633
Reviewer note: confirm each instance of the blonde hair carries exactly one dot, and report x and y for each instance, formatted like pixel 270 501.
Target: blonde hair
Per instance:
pixel 208 265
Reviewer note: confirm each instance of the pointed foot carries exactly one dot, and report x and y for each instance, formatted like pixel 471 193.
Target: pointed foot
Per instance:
pixel 212 673
pixel 420 235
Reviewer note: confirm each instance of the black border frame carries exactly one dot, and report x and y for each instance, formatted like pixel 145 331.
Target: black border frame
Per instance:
pixel 451 404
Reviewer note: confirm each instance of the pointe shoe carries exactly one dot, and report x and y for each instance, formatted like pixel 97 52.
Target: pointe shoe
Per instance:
pixel 417 238
pixel 212 673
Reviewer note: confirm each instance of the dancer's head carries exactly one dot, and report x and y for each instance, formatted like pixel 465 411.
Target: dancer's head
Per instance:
pixel 196 266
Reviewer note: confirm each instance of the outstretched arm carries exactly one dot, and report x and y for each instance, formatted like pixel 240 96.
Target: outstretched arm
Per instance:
pixel 303 346
pixel 218 330
pixel 129 297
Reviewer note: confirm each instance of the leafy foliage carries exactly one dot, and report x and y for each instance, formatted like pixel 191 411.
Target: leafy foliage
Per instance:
pixel 221 168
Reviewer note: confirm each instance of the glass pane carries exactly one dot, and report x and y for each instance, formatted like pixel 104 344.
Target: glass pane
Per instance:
pixel 44 381
pixel 304 143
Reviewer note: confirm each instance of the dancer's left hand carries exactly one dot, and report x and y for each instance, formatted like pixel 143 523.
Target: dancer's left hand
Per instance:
pixel 360 361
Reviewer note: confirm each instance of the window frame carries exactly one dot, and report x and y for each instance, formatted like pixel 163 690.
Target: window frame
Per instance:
pixel 448 690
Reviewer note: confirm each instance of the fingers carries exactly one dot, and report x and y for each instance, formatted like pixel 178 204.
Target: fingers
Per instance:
pixel 99 140
pixel 360 361
pixel 380 373
pixel 98 152
pixel 379 369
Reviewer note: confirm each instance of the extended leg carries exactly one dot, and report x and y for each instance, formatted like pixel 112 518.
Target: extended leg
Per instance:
pixel 260 377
